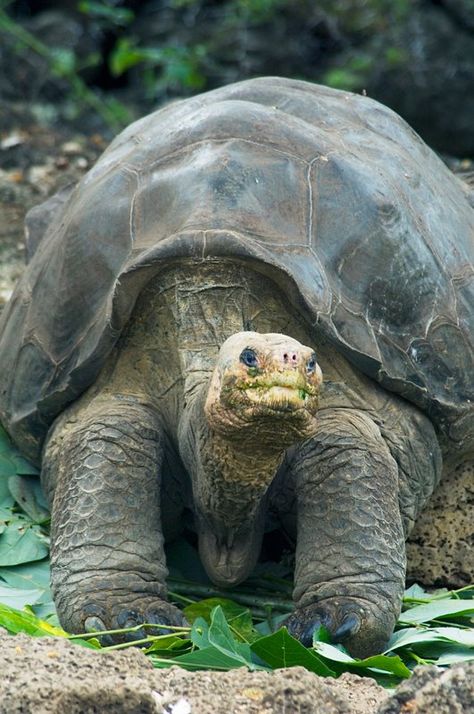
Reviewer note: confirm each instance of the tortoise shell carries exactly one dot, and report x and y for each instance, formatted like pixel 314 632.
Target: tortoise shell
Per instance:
pixel 331 193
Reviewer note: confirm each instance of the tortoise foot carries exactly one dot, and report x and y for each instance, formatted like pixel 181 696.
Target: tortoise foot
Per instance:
pixel 128 613
pixel 364 631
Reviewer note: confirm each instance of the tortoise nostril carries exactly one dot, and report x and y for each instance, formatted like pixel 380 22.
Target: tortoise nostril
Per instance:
pixel 292 358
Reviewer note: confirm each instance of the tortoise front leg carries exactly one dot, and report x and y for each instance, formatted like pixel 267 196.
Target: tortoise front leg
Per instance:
pixel 350 556
pixel 101 467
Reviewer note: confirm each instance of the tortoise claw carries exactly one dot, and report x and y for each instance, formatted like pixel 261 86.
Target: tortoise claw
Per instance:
pixel 95 624
pixel 348 628
pixel 340 620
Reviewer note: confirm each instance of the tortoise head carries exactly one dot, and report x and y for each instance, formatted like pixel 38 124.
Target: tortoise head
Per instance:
pixel 265 390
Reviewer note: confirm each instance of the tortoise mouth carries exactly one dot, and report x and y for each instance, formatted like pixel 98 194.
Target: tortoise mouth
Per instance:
pixel 282 397
pixel 278 390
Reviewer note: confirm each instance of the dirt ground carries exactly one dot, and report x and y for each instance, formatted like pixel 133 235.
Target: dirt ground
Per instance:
pixel 46 676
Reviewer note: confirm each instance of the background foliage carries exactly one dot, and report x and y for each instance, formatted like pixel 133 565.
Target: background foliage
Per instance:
pixel 122 58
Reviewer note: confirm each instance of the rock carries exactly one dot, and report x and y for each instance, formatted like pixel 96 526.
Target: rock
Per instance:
pixel 52 676
pixel 434 691
pixel 440 550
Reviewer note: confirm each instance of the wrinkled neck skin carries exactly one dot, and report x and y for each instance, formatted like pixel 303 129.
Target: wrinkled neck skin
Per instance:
pixel 209 302
pixel 230 479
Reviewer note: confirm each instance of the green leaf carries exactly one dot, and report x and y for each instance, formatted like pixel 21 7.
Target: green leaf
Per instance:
pixel 459 655
pixel 413 636
pixel 114 15
pixel 207 658
pixel 415 592
pixel 220 636
pixel 378 663
pixel 456 634
pixel 16 621
pixel 217 648
pixel 282 650
pixel 436 609
pixel 19 597
pixel 168 643
pixel 23 467
pixel 27 492
pixel 238 616
pixel 46 611
pixel 20 543
pixel 124 56
pixel 200 633
pixel 6 511
pixel 27 575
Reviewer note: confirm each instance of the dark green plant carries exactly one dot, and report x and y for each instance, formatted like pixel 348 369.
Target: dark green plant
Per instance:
pixel 63 63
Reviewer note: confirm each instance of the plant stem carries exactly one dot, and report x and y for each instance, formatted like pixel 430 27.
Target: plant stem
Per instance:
pixel 135 628
pixel 252 600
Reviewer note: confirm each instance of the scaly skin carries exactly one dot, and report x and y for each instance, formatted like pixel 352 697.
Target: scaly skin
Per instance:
pixel 100 578
pixel 353 581
pixel 358 468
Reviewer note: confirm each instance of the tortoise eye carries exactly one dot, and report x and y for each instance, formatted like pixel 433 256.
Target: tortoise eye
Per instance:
pixel 311 364
pixel 249 357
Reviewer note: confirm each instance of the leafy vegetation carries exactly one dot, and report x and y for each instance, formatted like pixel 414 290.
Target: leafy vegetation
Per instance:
pixel 242 628
pixel 181 47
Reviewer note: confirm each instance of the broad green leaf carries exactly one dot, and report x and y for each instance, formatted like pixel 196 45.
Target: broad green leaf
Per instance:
pixel 27 492
pixel 46 611
pixel 21 543
pixel 200 633
pixel 168 643
pixel 461 655
pixel 23 467
pixel 436 609
pixel 238 616
pixel 4 490
pixel 220 636
pixel 414 635
pixel 456 634
pixel 378 663
pixel 207 658
pixel 18 597
pixel 6 511
pixel 216 648
pixel 282 650
pixel 16 621
pixel 27 575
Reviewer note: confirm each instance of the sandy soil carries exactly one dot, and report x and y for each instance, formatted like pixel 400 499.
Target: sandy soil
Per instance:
pixel 53 675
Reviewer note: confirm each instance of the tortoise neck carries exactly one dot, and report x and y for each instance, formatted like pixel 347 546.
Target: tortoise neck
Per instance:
pixel 229 484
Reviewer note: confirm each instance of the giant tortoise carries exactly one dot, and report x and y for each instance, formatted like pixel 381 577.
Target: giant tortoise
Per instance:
pixel 164 353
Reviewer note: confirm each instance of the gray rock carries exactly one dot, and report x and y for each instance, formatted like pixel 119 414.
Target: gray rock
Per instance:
pixel 431 690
